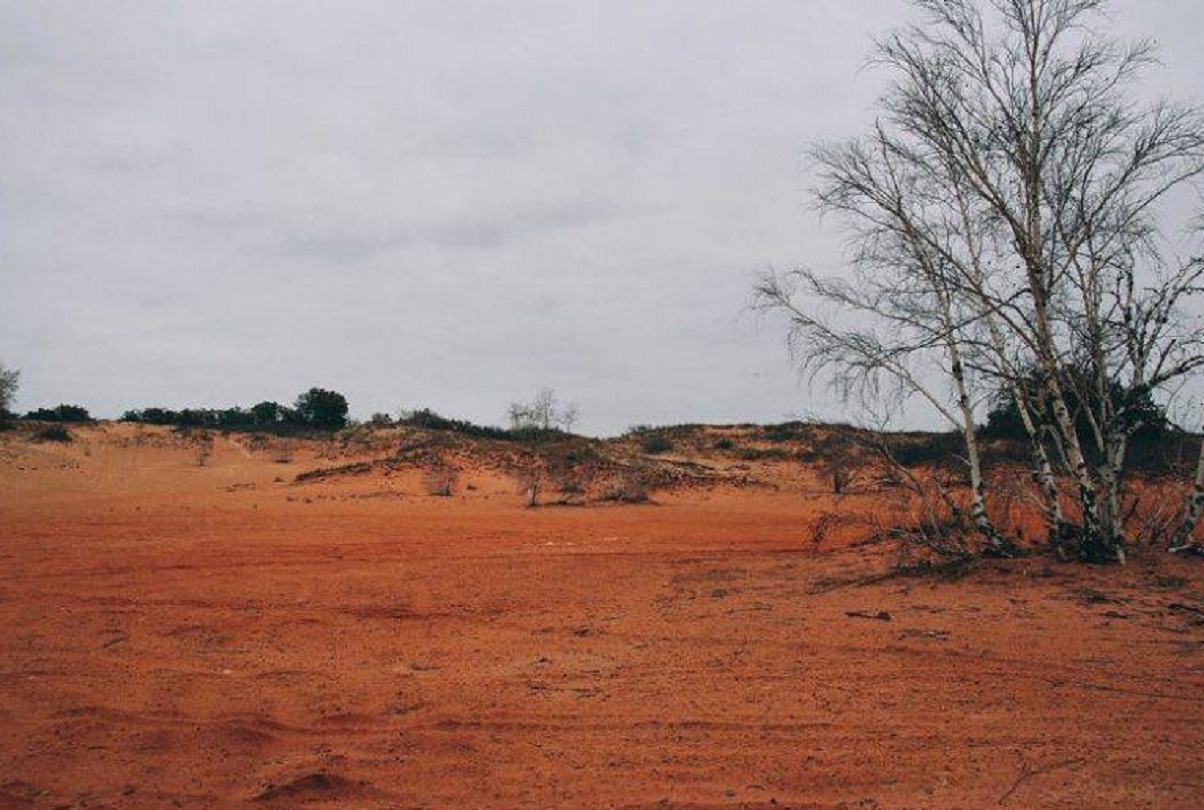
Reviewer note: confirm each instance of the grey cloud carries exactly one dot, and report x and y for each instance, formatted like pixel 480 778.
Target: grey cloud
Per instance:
pixel 358 244
pixel 446 203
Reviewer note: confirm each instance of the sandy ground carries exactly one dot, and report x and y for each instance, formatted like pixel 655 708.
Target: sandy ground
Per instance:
pixel 218 636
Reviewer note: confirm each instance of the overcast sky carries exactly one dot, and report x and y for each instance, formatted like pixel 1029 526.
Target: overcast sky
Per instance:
pixel 446 203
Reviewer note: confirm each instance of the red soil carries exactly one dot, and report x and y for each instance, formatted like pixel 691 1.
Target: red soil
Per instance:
pixel 175 635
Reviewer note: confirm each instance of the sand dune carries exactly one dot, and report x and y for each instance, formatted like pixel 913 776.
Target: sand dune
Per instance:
pixel 242 633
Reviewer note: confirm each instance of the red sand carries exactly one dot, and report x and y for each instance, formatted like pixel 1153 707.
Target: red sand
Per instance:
pixel 173 635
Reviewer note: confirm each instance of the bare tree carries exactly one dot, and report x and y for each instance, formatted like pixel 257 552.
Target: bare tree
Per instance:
pixel 904 337
pixel 569 414
pixel 543 412
pixel 10 382
pixel 1003 217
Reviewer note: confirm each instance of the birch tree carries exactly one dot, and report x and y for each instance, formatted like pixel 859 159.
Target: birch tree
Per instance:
pixel 1013 183
pixel 544 412
pixel 1192 512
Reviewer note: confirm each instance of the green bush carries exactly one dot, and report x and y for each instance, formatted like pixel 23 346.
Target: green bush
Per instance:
pixel 317 409
pixel 426 419
pixel 320 408
pixel 60 413
pixel 266 414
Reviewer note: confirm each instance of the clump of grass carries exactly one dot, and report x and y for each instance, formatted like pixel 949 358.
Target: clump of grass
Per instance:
pixel 628 488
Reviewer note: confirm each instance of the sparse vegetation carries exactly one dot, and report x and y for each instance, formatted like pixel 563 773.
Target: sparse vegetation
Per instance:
pixel 655 444
pixel 840 458
pixel 629 487
pixel 52 433
pixel 943 451
pixel 440 480
pixel 785 432
pixel 426 419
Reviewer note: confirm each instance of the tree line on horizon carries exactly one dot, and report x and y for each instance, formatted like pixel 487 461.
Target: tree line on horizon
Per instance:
pixel 542 417
pixel 317 408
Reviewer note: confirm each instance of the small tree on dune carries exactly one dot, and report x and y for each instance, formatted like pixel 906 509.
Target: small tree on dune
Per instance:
pixel 543 413
pixel 320 408
pixel 267 413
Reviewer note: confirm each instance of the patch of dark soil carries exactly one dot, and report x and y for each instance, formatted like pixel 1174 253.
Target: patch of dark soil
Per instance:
pixel 319 786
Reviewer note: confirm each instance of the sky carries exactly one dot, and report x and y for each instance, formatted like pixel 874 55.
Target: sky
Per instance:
pixel 440 203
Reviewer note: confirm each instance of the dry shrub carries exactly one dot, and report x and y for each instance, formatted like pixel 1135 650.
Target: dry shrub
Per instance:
pixel 255 442
pixel 567 468
pixel 629 487
pixel 204 449
pixel 573 483
pixel 770 454
pixel 830 524
pixel 918 516
pixel 52 433
pixel 840 458
pixel 440 481
pixel 654 444
pixel 530 484
pixel 1011 503
pixel 156 437
pixel 1151 508
pixel 1153 512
